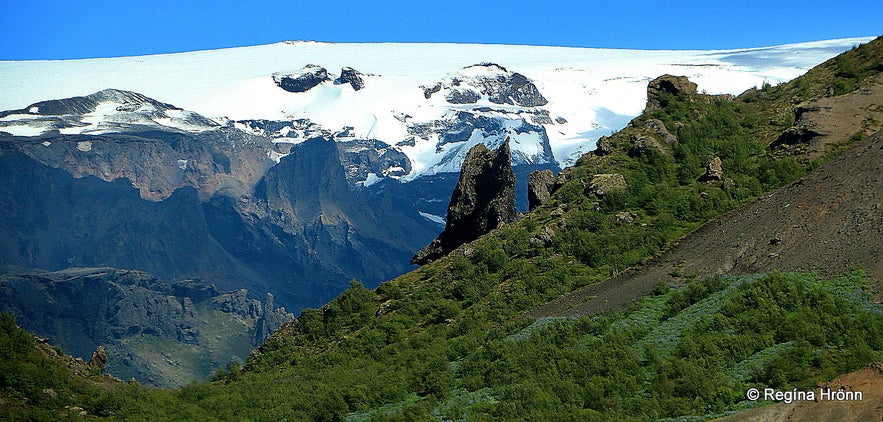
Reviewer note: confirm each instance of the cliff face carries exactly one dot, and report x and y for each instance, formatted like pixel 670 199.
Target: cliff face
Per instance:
pixel 135 317
pixel 483 200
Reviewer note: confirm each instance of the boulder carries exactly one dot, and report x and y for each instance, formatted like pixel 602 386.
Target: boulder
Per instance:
pixel 540 185
pixel 483 200
pixel 714 170
pixel 644 144
pixel 304 80
pixel 657 127
pixel 604 183
pixel 678 86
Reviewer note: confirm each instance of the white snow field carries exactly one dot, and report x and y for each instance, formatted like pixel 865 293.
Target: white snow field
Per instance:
pixel 590 92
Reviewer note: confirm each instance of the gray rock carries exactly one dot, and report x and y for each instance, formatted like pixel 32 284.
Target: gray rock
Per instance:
pixel 98 361
pixel 625 217
pixel 714 170
pixel 657 127
pixel 428 91
pixel 540 185
pixel 604 183
pixel 462 96
pixel 643 145
pixel 603 146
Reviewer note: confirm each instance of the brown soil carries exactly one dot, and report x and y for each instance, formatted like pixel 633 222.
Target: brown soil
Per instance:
pixel 830 221
pixel 868 381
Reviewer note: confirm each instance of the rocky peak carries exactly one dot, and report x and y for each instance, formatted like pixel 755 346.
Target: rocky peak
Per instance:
pixel 124 101
pixel 483 200
pixel 678 86
pixel 497 83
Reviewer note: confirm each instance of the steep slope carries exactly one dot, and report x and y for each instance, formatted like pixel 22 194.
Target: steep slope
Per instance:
pixel 828 221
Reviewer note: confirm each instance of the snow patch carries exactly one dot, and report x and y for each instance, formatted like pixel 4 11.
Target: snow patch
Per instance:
pixel 34 110
pixel 432 217
pixel 182 164
pixel 371 179
pixel 84 146
pixel 276 156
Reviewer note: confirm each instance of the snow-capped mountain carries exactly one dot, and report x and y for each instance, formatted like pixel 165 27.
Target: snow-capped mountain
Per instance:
pixel 428 103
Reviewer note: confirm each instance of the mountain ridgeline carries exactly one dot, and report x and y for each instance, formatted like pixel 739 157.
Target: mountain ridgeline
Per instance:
pixel 492 330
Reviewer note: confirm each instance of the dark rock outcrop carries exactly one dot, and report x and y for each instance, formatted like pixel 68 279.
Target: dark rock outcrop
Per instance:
pixel 540 185
pixel 483 200
pixel 363 156
pixel 303 80
pixel 462 96
pixel 678 86
pixel 351 76
pixel 603 147
pixel 500 85
pixel 98 361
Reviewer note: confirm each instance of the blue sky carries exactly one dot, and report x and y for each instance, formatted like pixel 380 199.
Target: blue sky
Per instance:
pixel 34 29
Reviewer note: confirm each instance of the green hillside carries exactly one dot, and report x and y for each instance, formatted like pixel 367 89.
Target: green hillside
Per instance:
pixel 451 341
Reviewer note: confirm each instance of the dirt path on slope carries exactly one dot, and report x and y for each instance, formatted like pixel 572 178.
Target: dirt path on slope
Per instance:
pixel 868 381
pixel 829 221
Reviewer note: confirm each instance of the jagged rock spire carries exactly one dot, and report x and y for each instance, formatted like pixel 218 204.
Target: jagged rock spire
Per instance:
pixel 483 200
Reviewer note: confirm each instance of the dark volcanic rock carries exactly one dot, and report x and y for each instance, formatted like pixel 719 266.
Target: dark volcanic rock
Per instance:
pixel 351 76
pixel 678 86
pixel 500 85
pixel 304 80
pixel 539 188
pixel 483 200
pixel 462 96
pixel 363 156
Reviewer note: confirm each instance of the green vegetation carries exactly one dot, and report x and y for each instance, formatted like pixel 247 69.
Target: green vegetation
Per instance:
pixel 686 351
pixel 449 341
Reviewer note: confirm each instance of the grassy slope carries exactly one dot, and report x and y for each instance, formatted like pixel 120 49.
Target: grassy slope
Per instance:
pixel 446 340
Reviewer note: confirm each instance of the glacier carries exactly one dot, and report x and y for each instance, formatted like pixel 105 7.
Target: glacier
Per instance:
pixel 588 92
